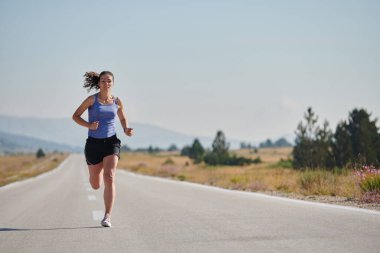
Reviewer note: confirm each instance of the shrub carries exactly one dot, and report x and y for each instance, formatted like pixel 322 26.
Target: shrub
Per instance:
pixel 368 179
pixel 257 160
pixel 168 161
pixel 181 177
pixel 241 161
pixel 40 153
pixel 236 180
pixel 288 163
pixel 319 182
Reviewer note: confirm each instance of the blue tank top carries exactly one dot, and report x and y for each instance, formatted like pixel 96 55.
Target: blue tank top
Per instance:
pixel 106 115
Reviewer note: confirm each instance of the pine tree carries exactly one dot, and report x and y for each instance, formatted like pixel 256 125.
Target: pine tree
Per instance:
pixel 312 144
pixel 302 150
pixel 196 151
pixel 365 137
pixel 219 153
pixel 323 141
pixel 342 145
pixel 219 145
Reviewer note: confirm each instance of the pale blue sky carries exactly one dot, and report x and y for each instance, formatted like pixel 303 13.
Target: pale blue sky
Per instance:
pixel 249 68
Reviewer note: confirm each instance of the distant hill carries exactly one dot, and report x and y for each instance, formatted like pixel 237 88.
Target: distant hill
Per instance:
pixel 70 135
pixel 66 131
pixel 12 143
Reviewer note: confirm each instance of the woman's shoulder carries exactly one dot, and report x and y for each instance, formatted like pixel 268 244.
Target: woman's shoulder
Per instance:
pixel 91 99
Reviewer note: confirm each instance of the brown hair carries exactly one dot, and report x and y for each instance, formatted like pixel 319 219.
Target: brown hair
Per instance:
pixel 91 79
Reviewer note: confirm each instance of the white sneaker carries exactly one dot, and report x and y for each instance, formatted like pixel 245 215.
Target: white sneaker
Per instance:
pixel 106 222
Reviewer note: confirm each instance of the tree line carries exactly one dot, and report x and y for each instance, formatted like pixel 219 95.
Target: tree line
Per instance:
pixel 356 141
pixel 218 155
pixel 268 143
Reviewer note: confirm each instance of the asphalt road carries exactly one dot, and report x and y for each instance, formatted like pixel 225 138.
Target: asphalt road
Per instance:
pixel 58 212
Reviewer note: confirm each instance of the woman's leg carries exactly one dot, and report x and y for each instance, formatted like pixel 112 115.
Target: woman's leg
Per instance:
pixel 96 175
pixel 109 164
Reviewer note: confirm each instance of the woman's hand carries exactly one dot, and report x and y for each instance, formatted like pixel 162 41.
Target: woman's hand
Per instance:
pixel 94 125
pixel 128 131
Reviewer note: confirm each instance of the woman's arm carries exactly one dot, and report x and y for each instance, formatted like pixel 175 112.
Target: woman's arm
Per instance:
pixel 123 119
pixel 80 110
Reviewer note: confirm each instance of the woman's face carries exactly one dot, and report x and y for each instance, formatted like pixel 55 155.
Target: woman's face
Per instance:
pixel 105 81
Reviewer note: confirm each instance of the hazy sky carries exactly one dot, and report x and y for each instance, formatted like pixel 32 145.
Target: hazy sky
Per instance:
pixel 250 68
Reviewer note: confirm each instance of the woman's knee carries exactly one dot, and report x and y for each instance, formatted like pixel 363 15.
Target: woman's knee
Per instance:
pixel 109 176
pixel 95 184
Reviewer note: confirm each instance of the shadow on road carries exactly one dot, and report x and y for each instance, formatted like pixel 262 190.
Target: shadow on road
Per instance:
pixel 42 229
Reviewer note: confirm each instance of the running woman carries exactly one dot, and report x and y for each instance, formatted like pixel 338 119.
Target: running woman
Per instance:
pixel 102 149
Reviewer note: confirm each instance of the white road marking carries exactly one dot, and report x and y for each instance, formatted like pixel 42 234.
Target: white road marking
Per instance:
pixel 91 197
pixel 97 215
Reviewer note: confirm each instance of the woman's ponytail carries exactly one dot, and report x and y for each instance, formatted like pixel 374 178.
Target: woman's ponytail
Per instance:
pixel 91 80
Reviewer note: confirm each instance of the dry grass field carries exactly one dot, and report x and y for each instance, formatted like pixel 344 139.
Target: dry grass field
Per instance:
pixel 274 174
pixel 18 167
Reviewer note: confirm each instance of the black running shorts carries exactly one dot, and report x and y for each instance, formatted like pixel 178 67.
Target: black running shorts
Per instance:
pixel 96 149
